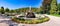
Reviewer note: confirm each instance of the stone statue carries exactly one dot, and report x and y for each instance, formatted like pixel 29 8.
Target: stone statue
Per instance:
pixel 30 14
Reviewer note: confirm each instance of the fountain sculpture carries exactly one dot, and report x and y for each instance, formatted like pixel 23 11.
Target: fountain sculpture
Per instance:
pixel 30 14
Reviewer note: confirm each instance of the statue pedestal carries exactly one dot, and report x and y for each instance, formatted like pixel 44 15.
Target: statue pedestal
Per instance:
pixel 30 15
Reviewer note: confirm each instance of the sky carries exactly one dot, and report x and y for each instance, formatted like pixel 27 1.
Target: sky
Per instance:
pixel 14 4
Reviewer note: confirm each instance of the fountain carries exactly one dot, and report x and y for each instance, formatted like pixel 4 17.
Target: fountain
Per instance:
pixel 30 14
pixel 31 18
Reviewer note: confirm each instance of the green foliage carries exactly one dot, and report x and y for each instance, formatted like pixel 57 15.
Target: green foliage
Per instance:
pixel 12 11
pixel 53 7
pixel 58 8
pixel 2 10
pixel 56 15
pixel 7 10
pixel 26 9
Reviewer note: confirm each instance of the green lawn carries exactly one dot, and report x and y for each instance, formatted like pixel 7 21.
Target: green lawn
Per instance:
pixel 56 15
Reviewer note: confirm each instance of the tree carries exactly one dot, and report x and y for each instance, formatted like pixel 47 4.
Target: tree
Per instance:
pixel 53 7
pixel 46 6
pixel 7 10
pixel 2 10
pixel 58 5
pixel 11 11
pixel 41 10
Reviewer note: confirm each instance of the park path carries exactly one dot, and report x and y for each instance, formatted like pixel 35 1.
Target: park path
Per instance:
pixel 54 21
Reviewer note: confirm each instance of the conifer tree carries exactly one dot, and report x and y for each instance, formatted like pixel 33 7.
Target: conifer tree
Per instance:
pixel 53 7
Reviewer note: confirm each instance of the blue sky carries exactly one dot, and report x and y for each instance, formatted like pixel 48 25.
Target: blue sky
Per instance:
pixel 14 4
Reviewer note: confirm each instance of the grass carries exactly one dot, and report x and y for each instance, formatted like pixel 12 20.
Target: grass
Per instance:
pixel 56 15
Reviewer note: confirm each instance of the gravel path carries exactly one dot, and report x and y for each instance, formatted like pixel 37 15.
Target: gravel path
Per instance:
pixel 6 21
pixel 3 24
pixel 54 21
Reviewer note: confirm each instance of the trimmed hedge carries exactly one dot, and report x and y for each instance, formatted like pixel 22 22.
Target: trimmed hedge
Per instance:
pixel 34 21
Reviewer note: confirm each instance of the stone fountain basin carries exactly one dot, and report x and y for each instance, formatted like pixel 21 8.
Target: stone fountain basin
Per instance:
pixel 37 16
